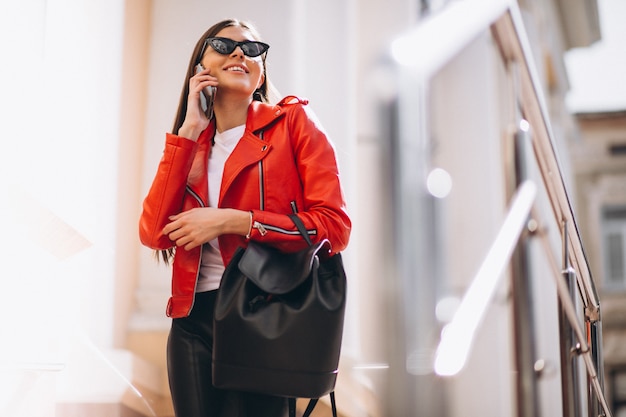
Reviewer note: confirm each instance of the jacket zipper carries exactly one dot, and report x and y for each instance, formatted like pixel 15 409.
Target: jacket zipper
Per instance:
pixel 261 187
pixel 195 195
pixel 263 228
pixel 195 285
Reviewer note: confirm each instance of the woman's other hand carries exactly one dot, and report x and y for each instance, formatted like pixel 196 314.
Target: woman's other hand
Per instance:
pixel 197 226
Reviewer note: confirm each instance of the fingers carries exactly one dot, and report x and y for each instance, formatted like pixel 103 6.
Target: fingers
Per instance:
pixel 198 83
pixel 191 245
pixel 182 231
pixel 187 243
pixel 182 238
pixel 203 79
pixel 173 225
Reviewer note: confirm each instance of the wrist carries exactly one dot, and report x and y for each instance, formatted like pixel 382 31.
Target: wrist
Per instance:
pixel 191 132
pixel 240 223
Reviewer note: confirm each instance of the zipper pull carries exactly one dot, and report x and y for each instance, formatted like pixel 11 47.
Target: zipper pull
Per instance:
pixel 262 230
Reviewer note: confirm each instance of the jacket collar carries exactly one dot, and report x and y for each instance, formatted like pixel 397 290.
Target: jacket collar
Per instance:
pixel 260 115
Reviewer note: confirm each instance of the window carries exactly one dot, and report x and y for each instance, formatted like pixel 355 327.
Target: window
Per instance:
pixel 614 241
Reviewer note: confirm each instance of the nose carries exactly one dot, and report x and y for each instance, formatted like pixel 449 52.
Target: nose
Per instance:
pixel 237 51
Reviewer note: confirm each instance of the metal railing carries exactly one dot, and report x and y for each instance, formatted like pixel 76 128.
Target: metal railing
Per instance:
pixel 503 19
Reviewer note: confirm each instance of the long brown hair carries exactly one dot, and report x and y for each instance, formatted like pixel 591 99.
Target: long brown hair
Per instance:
pixel 261 94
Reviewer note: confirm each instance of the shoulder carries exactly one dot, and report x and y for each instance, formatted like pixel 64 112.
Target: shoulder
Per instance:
pixel 297 110
pixel 288 103
pixel 261 115
pixel 293 106
pixel 292 111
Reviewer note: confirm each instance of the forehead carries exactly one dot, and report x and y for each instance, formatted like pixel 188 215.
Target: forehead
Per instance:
pixel 236 33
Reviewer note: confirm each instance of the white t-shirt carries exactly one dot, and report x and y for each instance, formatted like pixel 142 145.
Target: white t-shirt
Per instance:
pixel 211 265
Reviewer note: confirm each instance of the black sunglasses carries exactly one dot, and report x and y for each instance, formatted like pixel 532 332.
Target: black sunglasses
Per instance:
pixel 225 46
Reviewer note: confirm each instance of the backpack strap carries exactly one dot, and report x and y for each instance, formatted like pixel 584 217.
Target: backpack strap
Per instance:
pixel 311 406
pixel 292 407
pixel 301 228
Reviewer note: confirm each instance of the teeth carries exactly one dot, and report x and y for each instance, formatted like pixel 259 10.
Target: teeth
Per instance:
pixel 239 69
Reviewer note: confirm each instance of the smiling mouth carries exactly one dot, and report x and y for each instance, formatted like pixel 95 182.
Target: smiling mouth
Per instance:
pixel 236 68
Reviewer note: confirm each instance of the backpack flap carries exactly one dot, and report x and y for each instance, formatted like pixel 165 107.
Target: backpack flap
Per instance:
pixel 276 272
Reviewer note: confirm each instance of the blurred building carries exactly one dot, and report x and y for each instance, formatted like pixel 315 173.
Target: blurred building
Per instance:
pixel 599 165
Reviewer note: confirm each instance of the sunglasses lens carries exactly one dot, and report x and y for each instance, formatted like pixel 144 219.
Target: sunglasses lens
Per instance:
pixel 253 49
pixel 222 45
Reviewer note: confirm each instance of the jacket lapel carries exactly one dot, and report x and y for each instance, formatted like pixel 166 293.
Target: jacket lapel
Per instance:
pixel 249 150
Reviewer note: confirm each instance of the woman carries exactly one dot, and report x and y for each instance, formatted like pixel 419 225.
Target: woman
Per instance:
pixel 208 198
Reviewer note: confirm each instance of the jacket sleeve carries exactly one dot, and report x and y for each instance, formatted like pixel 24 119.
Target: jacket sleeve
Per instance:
pixel 324 213
pixel 165 196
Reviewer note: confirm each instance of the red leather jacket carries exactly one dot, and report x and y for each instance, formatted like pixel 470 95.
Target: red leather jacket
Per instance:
pixel 292 168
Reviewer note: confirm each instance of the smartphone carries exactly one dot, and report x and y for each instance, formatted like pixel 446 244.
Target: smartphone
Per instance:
pixel 206 96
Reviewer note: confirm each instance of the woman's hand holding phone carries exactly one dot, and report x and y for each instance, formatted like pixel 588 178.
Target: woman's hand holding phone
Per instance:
pixel 206 95
pixel 202 87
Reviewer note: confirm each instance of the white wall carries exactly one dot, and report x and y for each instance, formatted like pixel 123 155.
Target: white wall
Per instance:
pixel 59 107
pixel 60 111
